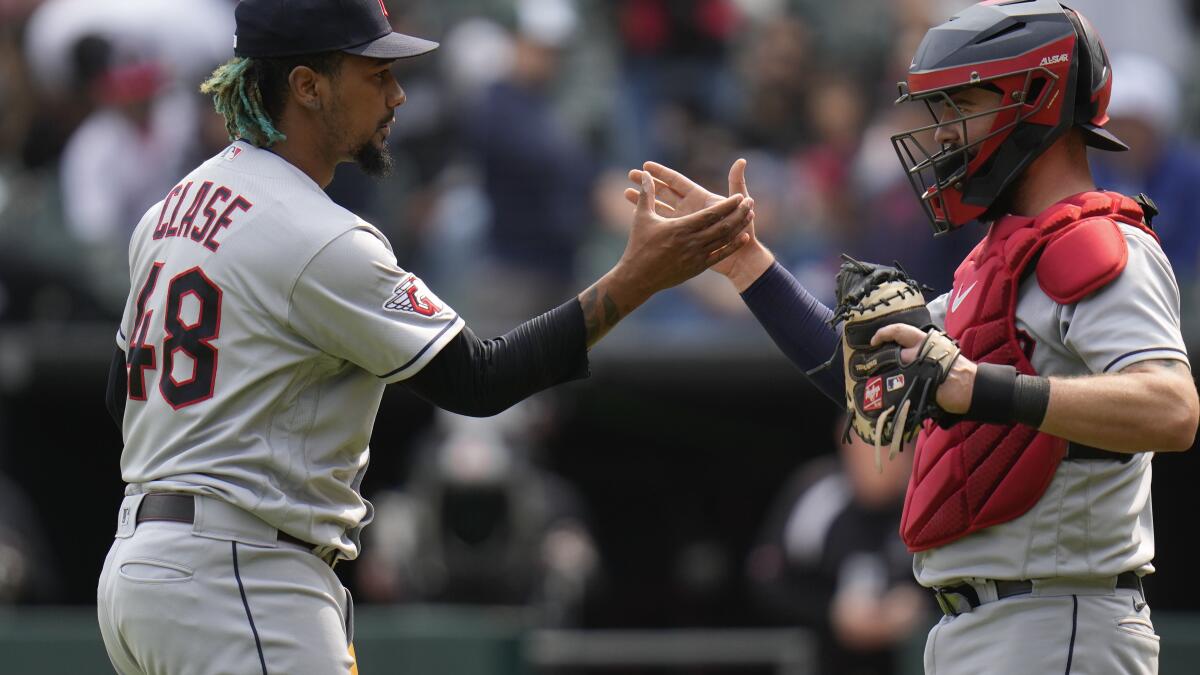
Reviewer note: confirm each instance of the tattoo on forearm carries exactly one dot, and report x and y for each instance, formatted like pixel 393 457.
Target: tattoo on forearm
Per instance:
pixel 611 314
pixel 600 313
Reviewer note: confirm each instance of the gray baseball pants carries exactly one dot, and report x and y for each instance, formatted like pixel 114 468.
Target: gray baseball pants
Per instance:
pixel 219 596
pixel 1073 627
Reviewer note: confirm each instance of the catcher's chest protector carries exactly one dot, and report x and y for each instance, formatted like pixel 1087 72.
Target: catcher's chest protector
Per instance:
pixel 974 475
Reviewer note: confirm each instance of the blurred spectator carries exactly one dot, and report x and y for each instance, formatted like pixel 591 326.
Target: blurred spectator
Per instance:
pixel 478 523
pixel 535 171
pixel 186 38
pixel 673 55
pixel 775 71
pixel 189 37
pixel 1158 29
pixel 26 569
pixel 1145 113
pixel 124 157
pixel 830 558
pixel 854 35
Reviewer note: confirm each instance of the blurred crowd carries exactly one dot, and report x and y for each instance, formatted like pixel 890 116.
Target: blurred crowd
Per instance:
pixel 506 197
pixel 513 146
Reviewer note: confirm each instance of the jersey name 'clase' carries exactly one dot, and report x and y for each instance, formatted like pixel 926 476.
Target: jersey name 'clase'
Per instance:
pixel 200 220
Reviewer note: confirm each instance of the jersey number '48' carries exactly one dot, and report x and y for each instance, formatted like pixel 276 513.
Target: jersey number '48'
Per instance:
pixel 190 338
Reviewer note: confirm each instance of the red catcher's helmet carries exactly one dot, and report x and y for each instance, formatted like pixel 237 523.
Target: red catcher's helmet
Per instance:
pixel 1048 64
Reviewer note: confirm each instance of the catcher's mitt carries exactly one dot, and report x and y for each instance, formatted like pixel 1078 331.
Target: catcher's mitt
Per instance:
pixel 886 399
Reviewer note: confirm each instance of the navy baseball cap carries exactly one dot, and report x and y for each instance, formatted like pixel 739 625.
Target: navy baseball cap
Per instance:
pixel 268 28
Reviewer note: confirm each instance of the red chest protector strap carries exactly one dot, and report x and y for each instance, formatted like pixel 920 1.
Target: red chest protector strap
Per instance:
pixel 973 475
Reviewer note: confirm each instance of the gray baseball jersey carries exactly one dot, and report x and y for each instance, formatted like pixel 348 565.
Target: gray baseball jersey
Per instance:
pixel 262 324
pixel 1095 518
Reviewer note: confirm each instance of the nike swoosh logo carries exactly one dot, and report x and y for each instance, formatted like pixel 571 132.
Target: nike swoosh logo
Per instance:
pixel 955 302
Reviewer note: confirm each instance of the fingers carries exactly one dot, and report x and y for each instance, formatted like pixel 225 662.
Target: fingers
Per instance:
pixel 664 210
pixel 678 182
pixel 900 333
pixel 737 178
pixel 645 202
pixel 727 250
pixel 711 216
pixel 666 193
pixel 728 227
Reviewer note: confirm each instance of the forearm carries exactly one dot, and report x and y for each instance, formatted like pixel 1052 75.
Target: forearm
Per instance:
pixel 483 377
pixel 799 325
pixel 1132 411
pixel 609 300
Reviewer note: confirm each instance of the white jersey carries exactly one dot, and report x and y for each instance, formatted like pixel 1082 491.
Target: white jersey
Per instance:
pixel 262 324
pixel 1095 518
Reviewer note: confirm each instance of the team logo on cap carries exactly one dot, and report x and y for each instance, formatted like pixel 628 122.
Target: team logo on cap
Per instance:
pixel 384 8
pixel 409 297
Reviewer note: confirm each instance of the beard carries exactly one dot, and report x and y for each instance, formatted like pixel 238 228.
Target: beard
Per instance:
pixel 374 160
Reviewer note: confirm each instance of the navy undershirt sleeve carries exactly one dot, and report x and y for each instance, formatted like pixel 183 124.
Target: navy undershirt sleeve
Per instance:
pixel 115 393
pixel 799 325
pixel 483 377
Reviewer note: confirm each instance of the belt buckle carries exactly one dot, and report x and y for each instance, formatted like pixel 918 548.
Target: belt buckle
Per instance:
pixel 944 603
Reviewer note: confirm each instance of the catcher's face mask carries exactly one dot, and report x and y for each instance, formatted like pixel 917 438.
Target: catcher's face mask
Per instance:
pixel 959 149
pixel 1051 73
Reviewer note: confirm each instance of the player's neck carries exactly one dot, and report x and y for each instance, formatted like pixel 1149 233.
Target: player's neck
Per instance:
pixel 304 158
pixel 300 150
pixel 1056 174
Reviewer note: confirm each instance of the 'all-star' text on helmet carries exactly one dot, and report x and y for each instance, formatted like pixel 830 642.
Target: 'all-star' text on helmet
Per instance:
pixel 1047 63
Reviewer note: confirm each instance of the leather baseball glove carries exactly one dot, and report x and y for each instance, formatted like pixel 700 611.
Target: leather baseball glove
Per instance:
pixel 887 400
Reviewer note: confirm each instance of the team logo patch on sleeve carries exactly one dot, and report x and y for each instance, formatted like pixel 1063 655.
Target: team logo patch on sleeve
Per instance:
pixel 410 297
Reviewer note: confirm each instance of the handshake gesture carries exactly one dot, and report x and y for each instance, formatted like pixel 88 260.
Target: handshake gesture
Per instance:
pixel 895 362
pixel 679 230
pixel 676 196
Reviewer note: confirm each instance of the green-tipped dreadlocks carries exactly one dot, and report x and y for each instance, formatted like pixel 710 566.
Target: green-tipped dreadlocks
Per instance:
pixel 237 98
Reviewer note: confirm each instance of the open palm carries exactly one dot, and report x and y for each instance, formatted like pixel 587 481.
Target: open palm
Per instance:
pixel 677 195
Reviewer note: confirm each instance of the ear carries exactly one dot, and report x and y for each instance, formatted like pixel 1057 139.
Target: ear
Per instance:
pixel 306 87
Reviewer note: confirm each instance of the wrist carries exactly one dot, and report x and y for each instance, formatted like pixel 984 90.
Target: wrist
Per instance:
pixel 1001 395
pixel 752 262
pixel 627 288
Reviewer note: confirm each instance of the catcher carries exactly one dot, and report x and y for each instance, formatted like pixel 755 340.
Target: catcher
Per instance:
pixel 1061 370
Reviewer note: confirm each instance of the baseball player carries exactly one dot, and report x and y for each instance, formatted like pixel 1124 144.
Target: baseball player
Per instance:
pixel 1061 369
pixel 262 325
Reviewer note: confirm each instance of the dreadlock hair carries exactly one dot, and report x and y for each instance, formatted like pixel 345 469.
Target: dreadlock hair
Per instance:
pixel 250 92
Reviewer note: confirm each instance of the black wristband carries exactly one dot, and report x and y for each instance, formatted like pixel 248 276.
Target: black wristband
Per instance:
pixel 1003 396
pixel 1031 399
pixel 992 394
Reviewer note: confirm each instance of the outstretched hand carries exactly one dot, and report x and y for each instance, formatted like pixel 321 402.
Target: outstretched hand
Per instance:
pixel 666 250
pixel 677 195
pixel 663 251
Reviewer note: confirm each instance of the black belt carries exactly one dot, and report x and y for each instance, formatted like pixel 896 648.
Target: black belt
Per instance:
pixel 1078 451
pixel 182 509
pixel 1008 588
